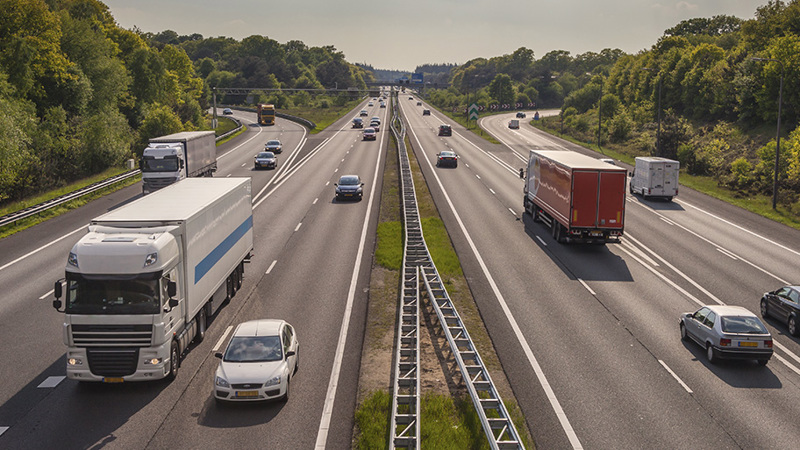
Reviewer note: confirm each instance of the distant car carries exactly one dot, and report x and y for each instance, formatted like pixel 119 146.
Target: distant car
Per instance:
pixel 608 161
pixel 426 112
pixel 227 111
pixel 274 146
pixel 783 304
pixel 375 119
pixel 258 363
pixel 371 104
pixel 728 332
pixel 358 122
pixel 520 115
pixel 349 186
pixel 376 124
pixel 446 158
pixel 419 103
pixel 411 98
pixel 383 105
pixel 369 134
pixel 266 160
pixel 363 113
pixel 445 130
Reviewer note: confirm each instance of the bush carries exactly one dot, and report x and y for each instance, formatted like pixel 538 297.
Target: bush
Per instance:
pixel 742 172
pixel 620 127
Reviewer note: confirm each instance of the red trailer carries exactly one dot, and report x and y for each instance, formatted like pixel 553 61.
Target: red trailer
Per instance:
pixel 581 198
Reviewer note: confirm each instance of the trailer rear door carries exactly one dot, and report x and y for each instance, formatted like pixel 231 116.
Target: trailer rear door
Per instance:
pixel 584 199
pixel 611 201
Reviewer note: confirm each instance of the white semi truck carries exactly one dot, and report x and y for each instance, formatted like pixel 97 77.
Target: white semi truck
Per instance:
pixel 169 159
pixel 142 283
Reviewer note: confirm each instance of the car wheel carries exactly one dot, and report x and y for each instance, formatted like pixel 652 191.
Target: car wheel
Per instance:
pixel 285 397
pixel 764 308
pixel 174 363
pixel 202 322
pixel 763 362
pixel 711 355
pixel 684 334
pixel 793 326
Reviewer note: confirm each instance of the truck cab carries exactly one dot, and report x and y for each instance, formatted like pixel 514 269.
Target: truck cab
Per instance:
pixel 162 165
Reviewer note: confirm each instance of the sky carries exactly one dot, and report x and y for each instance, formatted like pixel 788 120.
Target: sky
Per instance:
pixel 403 34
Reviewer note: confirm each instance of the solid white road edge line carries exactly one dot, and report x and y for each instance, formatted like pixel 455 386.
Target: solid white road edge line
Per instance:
pixel 587 287
pixel 537 369
pixel 327 409
pixel 243 143
pixel 32 252
pixel 51 382
pixel 298 227
pixel 222 339
pixel 674 375
pixel 269 269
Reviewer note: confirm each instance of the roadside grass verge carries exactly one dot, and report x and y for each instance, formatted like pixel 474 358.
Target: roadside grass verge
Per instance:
pixel 224 125
pixel 756 203
pixel 322 117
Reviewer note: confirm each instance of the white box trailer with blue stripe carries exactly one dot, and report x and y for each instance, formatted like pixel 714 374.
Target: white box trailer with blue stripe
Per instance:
pixel 142 283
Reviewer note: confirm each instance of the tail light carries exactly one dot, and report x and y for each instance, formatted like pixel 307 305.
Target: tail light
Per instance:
pixel 723 342
pixel 768 343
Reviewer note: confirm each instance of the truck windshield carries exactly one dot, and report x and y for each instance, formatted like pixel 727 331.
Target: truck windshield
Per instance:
pixel 113 294
pixel 167 164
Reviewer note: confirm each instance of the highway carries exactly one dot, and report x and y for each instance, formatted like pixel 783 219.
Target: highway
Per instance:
pixel 310 267
pixel 588 335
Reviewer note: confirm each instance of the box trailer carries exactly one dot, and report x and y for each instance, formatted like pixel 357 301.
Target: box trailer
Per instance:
pixel 169 159
pixel 581 198
pixel 142 283
pixel 655 177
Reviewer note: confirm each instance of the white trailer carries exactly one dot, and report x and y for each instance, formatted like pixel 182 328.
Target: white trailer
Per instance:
pixel 141 284
pixel 655 177
pixel 169 159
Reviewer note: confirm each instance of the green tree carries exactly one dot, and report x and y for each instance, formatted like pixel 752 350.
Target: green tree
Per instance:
pixel 501 89
pixel 158 120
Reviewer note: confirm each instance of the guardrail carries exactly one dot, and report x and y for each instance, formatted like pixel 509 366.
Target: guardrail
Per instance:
pixel 305 122
pixel 52 203
pixel 418 266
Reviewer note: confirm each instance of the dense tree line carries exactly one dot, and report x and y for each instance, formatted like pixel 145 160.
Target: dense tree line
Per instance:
pixel 79 94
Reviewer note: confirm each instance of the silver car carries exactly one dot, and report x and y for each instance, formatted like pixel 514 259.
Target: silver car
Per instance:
pixel 273 146
pixel 265 160
pixel 728 332
pixel 258 363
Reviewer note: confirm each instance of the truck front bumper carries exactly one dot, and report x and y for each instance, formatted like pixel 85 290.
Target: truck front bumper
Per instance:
pixel 117 365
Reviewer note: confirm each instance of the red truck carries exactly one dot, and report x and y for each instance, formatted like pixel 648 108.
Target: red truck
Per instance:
pixel 582 199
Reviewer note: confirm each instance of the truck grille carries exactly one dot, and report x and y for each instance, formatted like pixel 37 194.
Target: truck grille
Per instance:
pixel 117 362
pixel 158 183
pixel 112 335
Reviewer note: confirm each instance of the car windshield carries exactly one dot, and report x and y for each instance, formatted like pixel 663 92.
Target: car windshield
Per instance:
pixel 254 349
pixel 114 294
pixel 166 164
pixel 743 324
pixel 266 155
pixel 447 154
pixel 348 181
pixel 273 142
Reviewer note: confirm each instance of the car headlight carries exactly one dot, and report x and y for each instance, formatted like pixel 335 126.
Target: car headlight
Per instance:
pixel 221 382
pixel 273 381
pixel 359 190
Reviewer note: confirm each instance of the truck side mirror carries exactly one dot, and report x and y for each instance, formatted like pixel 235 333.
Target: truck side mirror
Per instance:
pixel 172 289
pixel 173 303
pixel 57 289
pixel 630 174
pixel 57 305
pixel 141 163
pixel 182 164
pixel 522 173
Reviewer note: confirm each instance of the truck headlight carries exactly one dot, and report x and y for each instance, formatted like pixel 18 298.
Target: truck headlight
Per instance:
pixel 150 259
pixel 72 260
pixel 272 382
pixel 153 361
pixel 221 382
pixel 74 362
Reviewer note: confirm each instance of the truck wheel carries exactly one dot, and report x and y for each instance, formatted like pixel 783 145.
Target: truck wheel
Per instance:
pixel 535 214
pixel 202 323
pixel 556 231
pixel 239 276
pixel 174 362
pixel 669 199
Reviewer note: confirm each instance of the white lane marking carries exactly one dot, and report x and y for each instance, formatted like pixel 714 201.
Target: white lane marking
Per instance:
pixel 541 240
pixel 298 226
pixel 739 227
pixel 228 175
pixel 327 182
pixel 242 166
pixel 492 191
pixel 342 159
pixel 639 252
pixel 512 211
pixel 753 265
pixel 587 287
pixel 788 352
pixel 726 253
pixel 287 165
pixel 222 339
pixel 534 363
pixel 674 375
pixel 269 269
pixel 466 165
pixel 32 252
pixel 663 277
pixel 327 410
pixel 315 201
pixel 477 176
pixel 667 221
pixel 51 382
pixel 243 143
pixel 337 169
pixel 3 430
pixel 49 293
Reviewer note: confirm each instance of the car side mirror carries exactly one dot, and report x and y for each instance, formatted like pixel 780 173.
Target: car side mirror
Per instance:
pixel 336 184
pixel 362 184
pixel 218 355
pixel 290 353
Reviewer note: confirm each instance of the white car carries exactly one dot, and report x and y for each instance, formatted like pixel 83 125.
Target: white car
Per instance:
pixel 258 363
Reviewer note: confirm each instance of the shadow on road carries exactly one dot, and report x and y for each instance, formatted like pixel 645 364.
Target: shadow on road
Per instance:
pixel 658 204
pixel 238 415
pixel 738 374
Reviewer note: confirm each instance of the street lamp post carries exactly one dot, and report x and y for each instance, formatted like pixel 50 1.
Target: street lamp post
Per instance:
pixel 778 137
pixel 658 131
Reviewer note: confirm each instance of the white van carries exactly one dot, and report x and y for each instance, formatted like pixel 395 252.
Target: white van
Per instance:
pixel 513 124
pixel 655 177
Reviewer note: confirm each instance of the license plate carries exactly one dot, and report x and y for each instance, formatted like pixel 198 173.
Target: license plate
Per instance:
pixel 596 234
pixel 247 393
pixel 112 380
pixel 748 344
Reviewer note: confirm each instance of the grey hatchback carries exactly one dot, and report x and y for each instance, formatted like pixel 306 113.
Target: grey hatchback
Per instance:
pixel 728 332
